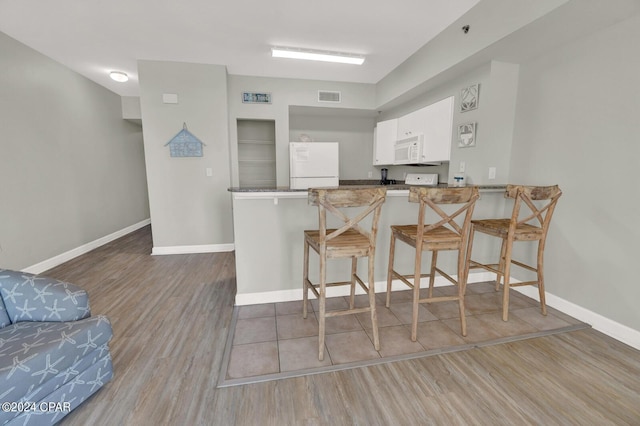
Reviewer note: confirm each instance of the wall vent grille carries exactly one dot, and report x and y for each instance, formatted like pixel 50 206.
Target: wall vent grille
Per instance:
pixel 327 96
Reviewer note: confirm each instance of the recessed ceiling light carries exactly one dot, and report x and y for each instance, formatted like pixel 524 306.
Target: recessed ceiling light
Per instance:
pixel 119 76
pixel 316 55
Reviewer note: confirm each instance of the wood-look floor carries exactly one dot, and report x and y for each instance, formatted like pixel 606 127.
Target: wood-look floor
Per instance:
pixel 171 317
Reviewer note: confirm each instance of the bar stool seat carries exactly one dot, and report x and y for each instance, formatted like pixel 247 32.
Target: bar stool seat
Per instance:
pixel 437 236
pixel 352 240
pixel 500 228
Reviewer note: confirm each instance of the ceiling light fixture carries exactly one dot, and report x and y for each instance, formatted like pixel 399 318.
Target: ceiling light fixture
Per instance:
pixel 119 76
pixel 316 55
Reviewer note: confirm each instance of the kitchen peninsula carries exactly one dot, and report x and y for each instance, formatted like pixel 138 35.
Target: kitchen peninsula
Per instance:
pixel 268 234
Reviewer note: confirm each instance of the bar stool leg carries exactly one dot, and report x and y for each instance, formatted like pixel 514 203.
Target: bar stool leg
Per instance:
pixel 322 303
pixel 503 253
pixel 305 278
pixel 467 260
pixel 372 304
pixel 354 268
pixel 416 294
pixel 540 272
pixel 432 272
pixel 462 284
pixel 390 269
pixel 505 278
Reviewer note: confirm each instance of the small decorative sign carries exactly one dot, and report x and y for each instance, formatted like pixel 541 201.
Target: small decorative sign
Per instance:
pixel 469 98
pixel 467 135
pixel 256 98
pixel 185 144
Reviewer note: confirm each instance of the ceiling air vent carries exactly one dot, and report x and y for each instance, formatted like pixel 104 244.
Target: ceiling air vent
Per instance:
pixel 326 96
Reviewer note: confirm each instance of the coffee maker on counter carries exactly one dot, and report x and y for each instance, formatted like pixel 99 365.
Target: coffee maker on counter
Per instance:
pixel 383 178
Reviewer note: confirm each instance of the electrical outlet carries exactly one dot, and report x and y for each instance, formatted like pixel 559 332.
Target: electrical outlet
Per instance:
pixel 370 174
pixel 492 173
pixel 463 166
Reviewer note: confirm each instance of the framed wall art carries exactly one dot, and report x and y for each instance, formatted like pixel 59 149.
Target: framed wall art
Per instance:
pixel 256 98
pixel 469 98
pixel 467 135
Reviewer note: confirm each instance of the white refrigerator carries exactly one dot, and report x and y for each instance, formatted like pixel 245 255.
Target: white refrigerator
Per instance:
pixel 313 164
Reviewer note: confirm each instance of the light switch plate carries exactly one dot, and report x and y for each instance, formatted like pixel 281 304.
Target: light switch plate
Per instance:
pixel 169 98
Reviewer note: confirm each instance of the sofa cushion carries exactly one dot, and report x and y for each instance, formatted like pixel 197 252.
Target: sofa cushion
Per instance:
pixel 31 353
pixel 91 375
pixel 28 297
pixel 4 316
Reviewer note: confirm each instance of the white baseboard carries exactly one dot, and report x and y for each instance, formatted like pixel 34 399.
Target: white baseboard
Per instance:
pixel 204 248
pixel 381 287
pixel 605 325
pixel 276 296
pixel 85 248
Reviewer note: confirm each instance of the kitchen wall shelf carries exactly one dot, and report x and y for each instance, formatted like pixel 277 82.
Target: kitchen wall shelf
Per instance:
pixel 256 153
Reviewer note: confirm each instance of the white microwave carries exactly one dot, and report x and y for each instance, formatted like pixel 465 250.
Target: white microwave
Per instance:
pixel 410 150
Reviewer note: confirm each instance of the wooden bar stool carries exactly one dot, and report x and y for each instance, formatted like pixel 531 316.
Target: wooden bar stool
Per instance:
pixel 540 201
pixel 446 234
pixel 349 241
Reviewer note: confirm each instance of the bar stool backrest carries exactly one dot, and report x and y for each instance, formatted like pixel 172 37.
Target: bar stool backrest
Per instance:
pixel 332 199
pixel 528 195
pixel 431 197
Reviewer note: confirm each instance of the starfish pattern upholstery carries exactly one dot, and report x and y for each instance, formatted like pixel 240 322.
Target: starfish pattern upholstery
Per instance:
pixel 53 353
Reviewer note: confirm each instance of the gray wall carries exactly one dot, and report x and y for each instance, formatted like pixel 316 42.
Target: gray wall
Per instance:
pixel 287 92
pixel 577 117
pixel 494 123
pixel 71 169
pixel 188 208
pixel 354 133
pixel 440 59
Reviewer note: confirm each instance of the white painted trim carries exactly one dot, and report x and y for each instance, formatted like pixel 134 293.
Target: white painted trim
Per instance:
pixel 204 248
pixel 45 265
pixel 605 325
pixel 267 195
pixel 276 296
pixel 397 193
pixel 259 195
pixel 381 287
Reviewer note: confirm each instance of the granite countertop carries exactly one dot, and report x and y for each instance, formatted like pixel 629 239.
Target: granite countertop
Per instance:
pixel 399 185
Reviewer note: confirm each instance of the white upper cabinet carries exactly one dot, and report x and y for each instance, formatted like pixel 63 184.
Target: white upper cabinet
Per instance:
pixel 411 124
pixel 434 122
pixel 385 136
pixel 437 129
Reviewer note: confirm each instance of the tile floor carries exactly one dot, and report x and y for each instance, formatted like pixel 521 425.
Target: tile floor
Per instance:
pixel 273 338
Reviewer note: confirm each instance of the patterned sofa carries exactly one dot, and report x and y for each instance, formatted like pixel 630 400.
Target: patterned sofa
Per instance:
pixel 53 353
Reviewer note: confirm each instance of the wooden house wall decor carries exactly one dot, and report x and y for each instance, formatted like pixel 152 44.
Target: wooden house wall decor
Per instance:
pixel 185 144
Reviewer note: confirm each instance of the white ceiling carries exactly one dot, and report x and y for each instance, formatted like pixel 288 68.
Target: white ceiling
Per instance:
pixel 94 37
